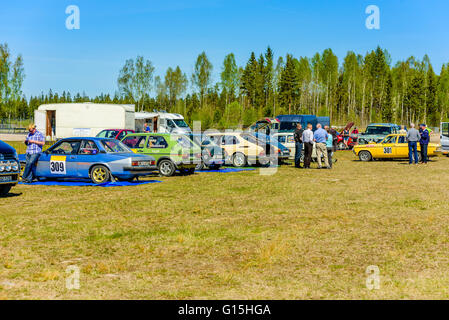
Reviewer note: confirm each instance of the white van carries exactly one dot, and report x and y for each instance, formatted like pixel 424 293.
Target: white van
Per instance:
pixel 162 122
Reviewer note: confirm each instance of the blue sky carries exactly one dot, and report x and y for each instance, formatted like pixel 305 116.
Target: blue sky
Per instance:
pixel 171 33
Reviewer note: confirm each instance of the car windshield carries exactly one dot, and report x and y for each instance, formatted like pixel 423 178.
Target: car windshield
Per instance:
pixel 378 130
pixel 181 123
pixel 108 134
pixel 115 146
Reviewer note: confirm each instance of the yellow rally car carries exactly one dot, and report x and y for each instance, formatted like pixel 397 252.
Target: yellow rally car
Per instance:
pixel 394 146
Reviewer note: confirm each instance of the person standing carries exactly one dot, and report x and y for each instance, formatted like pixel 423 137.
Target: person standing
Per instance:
pixel 413 137
pixel 320 137
pixel 329 145
pixel 34 141
pixel 402 131
pixel 307 139
pixel 424 143
pixel 298 144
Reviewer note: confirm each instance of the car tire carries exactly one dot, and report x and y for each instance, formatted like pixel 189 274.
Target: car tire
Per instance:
pixel 166 168
pixel 4 190
pixel 419 156
pixel 100 174
pixel 239 160
pixel 365 156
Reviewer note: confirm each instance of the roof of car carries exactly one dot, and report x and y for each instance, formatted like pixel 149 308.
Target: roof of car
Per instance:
pixel 383 124
pixel 89 138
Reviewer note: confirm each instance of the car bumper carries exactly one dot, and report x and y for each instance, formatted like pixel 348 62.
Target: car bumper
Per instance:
pixel 134 170
pixel 9 178
pixel 214 162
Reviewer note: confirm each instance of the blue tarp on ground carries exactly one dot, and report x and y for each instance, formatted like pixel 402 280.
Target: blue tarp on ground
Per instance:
pixel 87 183
pixel 227 170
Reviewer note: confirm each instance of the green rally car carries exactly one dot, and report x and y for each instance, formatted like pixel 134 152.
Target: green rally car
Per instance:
pixel 171 151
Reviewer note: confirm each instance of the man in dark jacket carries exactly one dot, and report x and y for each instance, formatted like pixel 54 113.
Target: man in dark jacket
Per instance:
pixel 424 142
pixel 298 145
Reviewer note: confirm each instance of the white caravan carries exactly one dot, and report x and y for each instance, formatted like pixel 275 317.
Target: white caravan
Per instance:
pixel 161 122
pixel 64 120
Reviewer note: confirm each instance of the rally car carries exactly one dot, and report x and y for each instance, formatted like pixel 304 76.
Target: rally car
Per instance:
pixel 171 151
pixel 243 148
pixel 98 159
pixel 9 168
pixel 394 146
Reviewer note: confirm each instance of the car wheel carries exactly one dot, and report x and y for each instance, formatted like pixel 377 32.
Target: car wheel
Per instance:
pixel 419 156
pixel 199 166
pixel 100 174
pixel 239 160
pixel 341 146
pixel 4 190
pixel 365 156
pixel 166 168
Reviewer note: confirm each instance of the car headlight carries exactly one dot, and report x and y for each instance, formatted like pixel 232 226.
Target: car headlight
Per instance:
pixel 2 167
pixel 8 166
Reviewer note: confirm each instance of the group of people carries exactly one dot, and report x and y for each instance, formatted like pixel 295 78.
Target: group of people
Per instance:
pixel 325 143
pixel 413 138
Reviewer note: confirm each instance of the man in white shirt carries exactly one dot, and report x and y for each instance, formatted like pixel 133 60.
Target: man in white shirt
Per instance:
pixel 307 139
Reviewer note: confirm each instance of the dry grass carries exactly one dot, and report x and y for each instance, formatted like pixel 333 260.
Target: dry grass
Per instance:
pixel 294 235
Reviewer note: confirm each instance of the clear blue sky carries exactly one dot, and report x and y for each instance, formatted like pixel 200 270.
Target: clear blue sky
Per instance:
pixel 171 33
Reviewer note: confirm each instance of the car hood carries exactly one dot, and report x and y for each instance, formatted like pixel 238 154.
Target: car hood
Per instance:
pixel 6 148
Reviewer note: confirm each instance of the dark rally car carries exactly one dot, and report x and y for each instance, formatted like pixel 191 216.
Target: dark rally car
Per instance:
pixel 9 168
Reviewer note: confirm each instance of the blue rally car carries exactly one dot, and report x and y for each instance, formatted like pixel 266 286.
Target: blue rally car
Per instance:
pixel 99 159
pixel 9 168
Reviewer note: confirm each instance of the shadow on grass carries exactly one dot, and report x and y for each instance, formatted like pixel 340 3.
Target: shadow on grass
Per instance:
pixel 11 195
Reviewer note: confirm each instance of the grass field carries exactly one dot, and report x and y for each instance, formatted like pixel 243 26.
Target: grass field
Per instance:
pixel 299 234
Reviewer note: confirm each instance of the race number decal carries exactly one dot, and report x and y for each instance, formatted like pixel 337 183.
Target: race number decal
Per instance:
pixel 57 165
pixel 388 150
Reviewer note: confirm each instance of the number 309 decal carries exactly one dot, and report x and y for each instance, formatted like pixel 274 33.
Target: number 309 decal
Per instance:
pixel 57 165
pixel 388 150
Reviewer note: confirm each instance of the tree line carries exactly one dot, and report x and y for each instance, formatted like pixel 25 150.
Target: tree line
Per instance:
pixel 360 88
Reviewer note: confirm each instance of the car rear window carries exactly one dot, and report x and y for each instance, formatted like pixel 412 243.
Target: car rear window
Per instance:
pixel 115 146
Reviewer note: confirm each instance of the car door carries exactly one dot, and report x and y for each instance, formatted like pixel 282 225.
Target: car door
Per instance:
pixel 401 147
pixel 444 136
pixel 387 147
pixel 88 154
pixel 157 146
pixel 60 160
